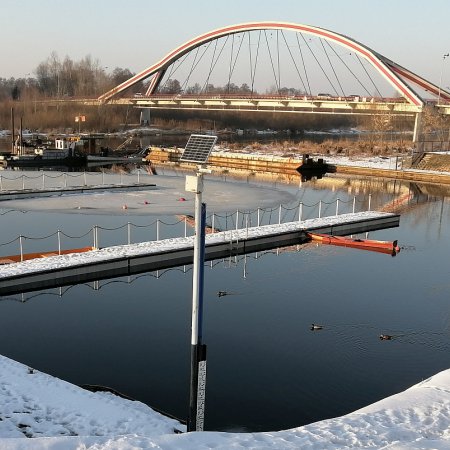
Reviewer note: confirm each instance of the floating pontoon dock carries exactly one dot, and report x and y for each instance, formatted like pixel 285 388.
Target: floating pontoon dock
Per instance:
pixel 131 259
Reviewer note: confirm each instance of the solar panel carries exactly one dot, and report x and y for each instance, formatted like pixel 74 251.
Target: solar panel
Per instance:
pixel 198 148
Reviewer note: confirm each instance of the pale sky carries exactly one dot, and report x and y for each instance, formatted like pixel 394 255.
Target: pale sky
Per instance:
pixel 134 34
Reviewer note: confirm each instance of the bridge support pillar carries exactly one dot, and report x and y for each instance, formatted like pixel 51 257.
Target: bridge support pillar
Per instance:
pixel 417 132
pixel 145 116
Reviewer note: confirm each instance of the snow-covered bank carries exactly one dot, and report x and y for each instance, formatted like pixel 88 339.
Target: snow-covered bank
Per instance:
pixel 61 416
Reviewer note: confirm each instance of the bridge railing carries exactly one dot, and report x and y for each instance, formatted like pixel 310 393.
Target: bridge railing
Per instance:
pixel 133 233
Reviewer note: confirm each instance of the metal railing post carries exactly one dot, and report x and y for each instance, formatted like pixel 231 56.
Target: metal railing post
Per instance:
pixel 246 226
pixel 1 182
pixel 237 219
pixel 279 215
pixel 213 223
pixel 370 202
pixel 300 211
pixel 59 242
pixel 258 221
pixel 354 204
pixel 337 206
pixel 23 182
pixel 21 248
pixel 139 176
pixel 320 209
pixel 185 226
pixel 65 179
pixel 43 180
pixel 129 232
pixel 157 229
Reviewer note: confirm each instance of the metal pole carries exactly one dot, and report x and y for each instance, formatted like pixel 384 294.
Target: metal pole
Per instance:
pixel 21 247
pixel 320 208
pixel 354 204
pixel 157 229
pixel 237 219
pixel 43 180
pixel 129 232
pixel 65 179
pixel 85 183
pixel 279 215
pixel 259 217
pixel 59 242
pixel 23 182
pixel 213 223
pixel 300 211
pixel 198 351
pixel 370 201
pixel 337 206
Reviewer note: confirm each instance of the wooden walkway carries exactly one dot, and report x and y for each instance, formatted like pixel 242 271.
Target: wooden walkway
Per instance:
pixel 131 259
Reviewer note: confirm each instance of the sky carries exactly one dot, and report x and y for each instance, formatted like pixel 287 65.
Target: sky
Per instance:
pixel 137 33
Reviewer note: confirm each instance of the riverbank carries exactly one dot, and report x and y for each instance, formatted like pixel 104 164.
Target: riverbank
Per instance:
pixel 42 412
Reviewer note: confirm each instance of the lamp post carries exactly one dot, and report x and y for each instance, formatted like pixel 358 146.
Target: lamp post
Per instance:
pixel 446 55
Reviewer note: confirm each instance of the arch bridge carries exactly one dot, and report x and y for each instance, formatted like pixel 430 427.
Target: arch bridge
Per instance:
pixel 283 67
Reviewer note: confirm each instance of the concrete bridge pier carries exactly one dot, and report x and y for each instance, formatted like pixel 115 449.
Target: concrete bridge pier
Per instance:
pixel 417 132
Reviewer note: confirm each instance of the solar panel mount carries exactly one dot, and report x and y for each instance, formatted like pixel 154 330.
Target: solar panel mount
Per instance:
pixel 198 148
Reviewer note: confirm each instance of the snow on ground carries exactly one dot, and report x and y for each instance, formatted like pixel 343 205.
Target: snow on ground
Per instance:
pixel 42 412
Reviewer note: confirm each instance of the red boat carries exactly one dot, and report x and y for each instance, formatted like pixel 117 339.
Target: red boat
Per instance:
pixel 389 247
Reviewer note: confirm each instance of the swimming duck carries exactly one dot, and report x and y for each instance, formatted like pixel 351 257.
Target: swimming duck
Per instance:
pixel 386 337
pixel 315 327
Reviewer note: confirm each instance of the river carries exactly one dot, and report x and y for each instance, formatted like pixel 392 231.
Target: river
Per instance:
pixel 266 370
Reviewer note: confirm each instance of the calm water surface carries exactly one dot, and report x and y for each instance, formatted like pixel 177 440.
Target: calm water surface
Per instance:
pixel 266 369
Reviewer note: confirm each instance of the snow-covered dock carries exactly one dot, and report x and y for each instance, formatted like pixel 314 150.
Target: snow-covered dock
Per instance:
pixel 129 259
pixel 59 191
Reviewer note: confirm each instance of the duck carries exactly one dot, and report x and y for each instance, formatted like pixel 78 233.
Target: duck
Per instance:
pixel 386 337
pixel 315 327
pixel 222 293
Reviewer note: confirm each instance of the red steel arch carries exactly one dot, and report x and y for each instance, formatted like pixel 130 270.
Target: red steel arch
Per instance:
pixel 389 70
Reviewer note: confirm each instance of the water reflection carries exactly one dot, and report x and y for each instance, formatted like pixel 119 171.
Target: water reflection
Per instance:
pixel 266 369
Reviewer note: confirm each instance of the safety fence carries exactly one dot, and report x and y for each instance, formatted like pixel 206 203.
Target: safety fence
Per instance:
pixel 44 180
pixel 131 233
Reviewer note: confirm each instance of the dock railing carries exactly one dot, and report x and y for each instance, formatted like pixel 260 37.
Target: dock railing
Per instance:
pixel 133 233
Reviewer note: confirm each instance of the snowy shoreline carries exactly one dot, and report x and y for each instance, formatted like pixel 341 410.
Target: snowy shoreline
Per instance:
pixel 42 412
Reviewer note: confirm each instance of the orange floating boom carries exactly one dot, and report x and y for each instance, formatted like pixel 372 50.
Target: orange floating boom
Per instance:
pixel 388 247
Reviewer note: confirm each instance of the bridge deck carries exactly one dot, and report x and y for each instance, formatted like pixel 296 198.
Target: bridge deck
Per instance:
pixel 148 256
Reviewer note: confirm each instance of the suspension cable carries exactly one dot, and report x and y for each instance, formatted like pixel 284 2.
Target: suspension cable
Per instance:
pixel 295 63
pixel 278 57
pixel 304 65
pixel 256 59
pixel 272 64
pixel 350 70
pixel 214 62
pixel 370 78
pixel 236 58
pixel 332 67
pixel 320 65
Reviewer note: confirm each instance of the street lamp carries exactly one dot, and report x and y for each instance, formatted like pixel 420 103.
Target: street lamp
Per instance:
pixel 446 55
